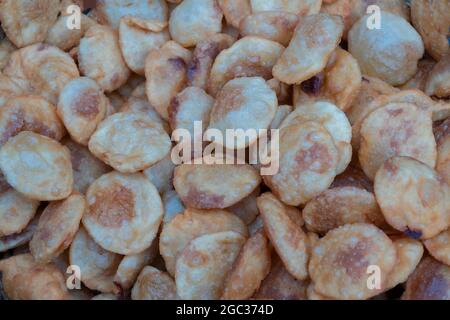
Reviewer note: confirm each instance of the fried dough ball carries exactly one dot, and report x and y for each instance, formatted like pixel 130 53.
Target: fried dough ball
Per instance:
pixel 248 57
pixel 280 284
pixel 195 20
pixel 314 40
pixel 419 80
pixel 166 74
pixel 439 247
pixel 307 165
pixel 129 142
pixel 24 279
pixel 339 261
pixel 37 166
pixel 29 113
pixel 432 20
pixel 193 223
pixel 136 42
pixel 57 227
pixel 414 199
pixel 292 249
pixel 124 212
pixel 109 70
pixel 27 22
pixel 246 209
pixel 250 268
pixel 374 48
pixel 96 264
pixel 429 281
pixel 202 267
pixel 82 106
pixel 42 69
pixel 272 25
pixel 397 129
pixel 205 52
pixel 9 88
pixel 153 284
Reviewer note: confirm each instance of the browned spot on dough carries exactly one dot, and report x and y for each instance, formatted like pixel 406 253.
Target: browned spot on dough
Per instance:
pixel 173 110
pixel 353 177
pixel 204 54
pixel 178 63
pixel 353 260
pixel 195 258
pixel 113 206
pixel 391 167
pixel 251 67
pixel 43 46
pixel 429 191
pixel 204 200
pixel 229 99
pixel 317 156
pixel 87 105
pixel 395 112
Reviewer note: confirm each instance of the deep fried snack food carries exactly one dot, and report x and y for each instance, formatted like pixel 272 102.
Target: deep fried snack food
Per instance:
pixel 195 20
pixel 27 22
pixel 299 7
pixel 110 70
pixel 288 239
pixel 129 142
pixel 438 82
pixel 308 163
pixel 41 69
pixel 374 53
pixel 397 129
pixel 205 186
pixel 18 239
pixel 202 267
pixel 340 261
pixel 439 247
pixel 166 75
pixel 153 284
pixel 193 223
pixel 235 11
pixel 250 268
pixel 248 57
pixel 57 226
pixel 244 103
pixel 24 279
pixel 37 166
pixel 314 40
pixel 82 106
pixel 414 199
pixel 124 212
pixel 97 265
pixel 429 281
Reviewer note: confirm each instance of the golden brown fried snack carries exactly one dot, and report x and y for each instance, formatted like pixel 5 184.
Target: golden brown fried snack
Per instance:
pixel 129 142
pixel 193 223
pixel 109 70
pixel 82 106
pixel 432 20
pixel 235 11
pixel 430 281
pixel 27 22
pixel 374 53
pixel 193 21
pixel 153 284
pixel 97 265
pixel 205 186
pixel 41 69
pixel 308 163
pixel 299 7
pixel 250 268
pixel 397 129
pixel 202 267
pixel 57 227
pixel 166 74
pixel 37 166
pixel 314 40
pixel 339 261
pixel 288 239
pixel 124 212
pixel 413 197
pixel 438 82
pixel 24 279
pixel 439 247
